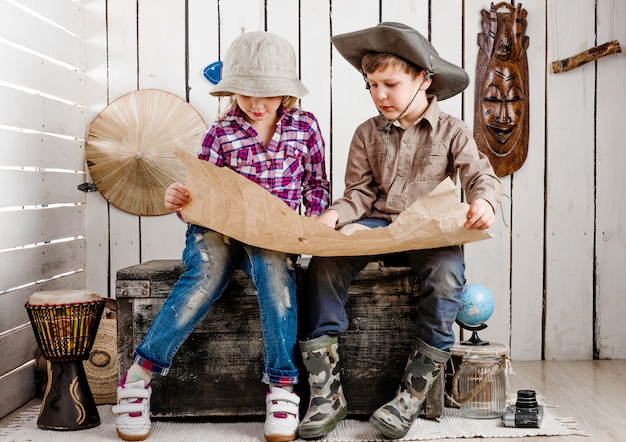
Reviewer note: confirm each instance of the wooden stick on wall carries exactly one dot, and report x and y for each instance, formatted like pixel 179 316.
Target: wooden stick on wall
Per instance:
pixel 592 54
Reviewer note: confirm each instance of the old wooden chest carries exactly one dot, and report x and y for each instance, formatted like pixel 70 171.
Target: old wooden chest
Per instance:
pixel 217 371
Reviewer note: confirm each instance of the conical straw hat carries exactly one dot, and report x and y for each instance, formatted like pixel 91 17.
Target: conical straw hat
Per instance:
pixel 130 148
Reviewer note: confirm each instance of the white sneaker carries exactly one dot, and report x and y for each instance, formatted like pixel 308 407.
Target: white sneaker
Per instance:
pixel 282 415
pixel 133 410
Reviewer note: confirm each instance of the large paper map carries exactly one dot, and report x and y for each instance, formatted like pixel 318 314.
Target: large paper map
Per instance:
pixel 228 203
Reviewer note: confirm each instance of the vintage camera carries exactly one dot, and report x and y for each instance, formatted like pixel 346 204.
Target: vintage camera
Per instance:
pixel 526 413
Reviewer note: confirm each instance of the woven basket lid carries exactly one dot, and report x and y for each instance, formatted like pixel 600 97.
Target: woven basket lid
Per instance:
pixel 130 148
pixel 101 367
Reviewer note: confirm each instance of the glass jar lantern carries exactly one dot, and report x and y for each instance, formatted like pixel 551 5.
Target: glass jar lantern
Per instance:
pixel 479 386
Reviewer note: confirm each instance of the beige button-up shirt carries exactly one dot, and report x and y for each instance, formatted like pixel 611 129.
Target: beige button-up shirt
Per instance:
pixel 382 179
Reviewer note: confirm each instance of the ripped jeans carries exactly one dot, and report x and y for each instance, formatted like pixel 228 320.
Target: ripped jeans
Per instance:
pixel 209 258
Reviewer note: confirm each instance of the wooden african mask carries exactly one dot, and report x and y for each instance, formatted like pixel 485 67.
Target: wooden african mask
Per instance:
pixel 501 99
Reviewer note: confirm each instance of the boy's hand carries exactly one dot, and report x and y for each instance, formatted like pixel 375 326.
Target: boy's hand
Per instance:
pixel 328 218
pixel 480 215
pixel 176 196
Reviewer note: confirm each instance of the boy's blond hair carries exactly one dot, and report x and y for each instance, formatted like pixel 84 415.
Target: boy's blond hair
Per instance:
pixel 287 101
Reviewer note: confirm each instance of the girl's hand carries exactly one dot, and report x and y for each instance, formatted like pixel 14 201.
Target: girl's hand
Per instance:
pixel 176 196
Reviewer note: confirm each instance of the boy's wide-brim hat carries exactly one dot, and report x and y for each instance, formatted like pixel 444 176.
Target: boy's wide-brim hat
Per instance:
pixel 260 64
pixel 405 42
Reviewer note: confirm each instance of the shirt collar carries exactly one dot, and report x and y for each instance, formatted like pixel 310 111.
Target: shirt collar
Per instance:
pixel 431 114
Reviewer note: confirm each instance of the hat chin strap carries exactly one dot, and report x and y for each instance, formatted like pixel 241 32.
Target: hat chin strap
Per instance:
pixel 388 124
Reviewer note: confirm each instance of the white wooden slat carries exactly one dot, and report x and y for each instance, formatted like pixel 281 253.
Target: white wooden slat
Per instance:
pixel 162 66
pixel 569 217
pixel 527 192
pixel 33 112
pixel 413 13
pixel 40 150
pixel 351 103
pixel 26 70
pixel 233 23
pixel 17 347
pixel 12 311
pixel 315 67
pixel 17 388
pixel 41 263
pixel 123 229
pixel 487 262
pixel 67 14
pixel 27 227
pixel 96 216
pixel 125 245
pixel 38 188
pixel 161 46
pixel 283 19
pixel 17 26
pixel 203 50
pixel 121 41
pixel 162 237
pixel 611 186
pixel 447 38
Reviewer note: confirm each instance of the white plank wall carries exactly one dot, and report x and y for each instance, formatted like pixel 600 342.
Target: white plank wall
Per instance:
pixel 610 189
pixel 555 265
pixel 42 123
pixel 569 238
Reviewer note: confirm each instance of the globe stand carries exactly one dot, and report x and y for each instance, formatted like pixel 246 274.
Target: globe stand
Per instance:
pixel 474 340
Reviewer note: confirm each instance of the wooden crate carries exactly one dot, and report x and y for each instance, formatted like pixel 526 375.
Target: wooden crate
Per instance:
pixel 218 370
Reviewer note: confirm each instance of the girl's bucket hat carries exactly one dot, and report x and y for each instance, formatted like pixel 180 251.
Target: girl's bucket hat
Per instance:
pixel 260 64
pixel 405 42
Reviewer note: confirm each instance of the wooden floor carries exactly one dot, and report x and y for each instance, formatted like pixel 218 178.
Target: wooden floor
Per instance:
pixel 591 392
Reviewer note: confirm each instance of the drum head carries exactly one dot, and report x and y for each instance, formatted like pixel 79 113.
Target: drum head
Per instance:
pixel 62 297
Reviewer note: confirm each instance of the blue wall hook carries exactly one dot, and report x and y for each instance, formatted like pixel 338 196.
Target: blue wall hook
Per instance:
pixel 213 72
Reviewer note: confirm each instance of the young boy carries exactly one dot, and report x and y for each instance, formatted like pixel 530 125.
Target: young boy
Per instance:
pixel 266 138
pixel 396 158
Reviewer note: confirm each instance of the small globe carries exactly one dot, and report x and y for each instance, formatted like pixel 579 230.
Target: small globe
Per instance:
pixel 476 305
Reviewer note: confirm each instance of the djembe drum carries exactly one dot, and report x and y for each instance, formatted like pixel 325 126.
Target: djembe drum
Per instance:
pixel 65 323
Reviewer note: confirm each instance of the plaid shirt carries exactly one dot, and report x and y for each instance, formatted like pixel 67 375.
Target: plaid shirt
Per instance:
pixel 292 167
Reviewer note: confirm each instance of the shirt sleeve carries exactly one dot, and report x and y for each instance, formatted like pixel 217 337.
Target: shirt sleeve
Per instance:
pixel 361 190
pixel 315 185
pixel 477 176
pixel 210 150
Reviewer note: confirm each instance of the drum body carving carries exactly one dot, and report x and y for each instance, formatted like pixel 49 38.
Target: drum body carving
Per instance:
pixel 65 323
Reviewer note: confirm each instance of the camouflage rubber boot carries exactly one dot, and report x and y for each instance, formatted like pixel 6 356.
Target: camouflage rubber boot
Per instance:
pixel 394 419
pixel 327 405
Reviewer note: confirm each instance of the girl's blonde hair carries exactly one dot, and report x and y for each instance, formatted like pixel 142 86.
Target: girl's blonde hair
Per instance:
pixel 375 61
pixel 288 102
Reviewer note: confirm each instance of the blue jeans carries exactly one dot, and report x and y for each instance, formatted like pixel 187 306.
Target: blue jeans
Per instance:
pixel 209 258
pixel 441 273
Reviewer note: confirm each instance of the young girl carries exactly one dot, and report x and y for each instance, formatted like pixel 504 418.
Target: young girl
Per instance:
pixel 264 138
